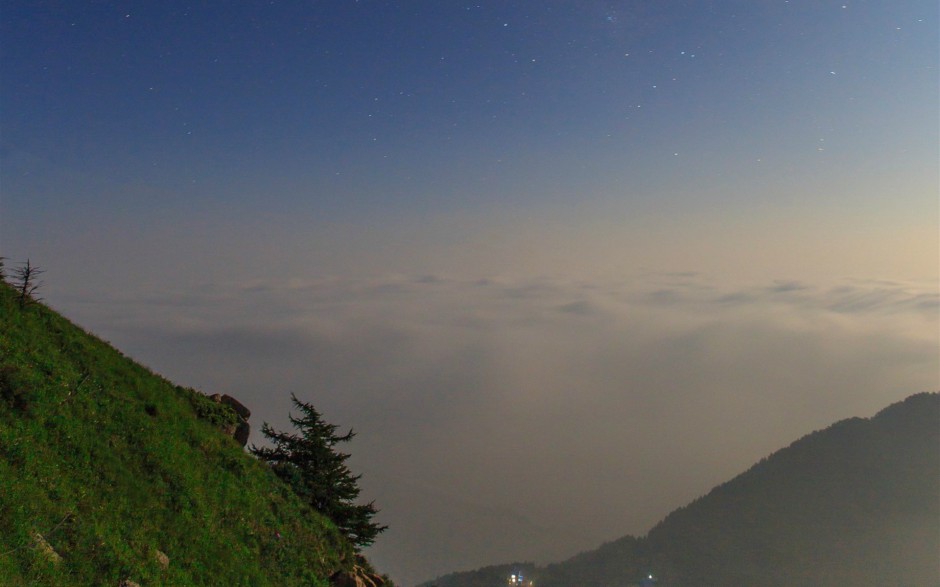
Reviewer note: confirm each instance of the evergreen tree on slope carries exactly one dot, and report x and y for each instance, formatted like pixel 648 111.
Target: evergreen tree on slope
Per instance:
pixel 310 464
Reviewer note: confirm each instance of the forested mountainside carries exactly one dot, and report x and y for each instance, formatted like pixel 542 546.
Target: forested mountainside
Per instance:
pixel 855 504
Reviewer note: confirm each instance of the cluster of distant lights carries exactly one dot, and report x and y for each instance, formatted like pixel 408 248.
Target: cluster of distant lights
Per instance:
pixel 518 579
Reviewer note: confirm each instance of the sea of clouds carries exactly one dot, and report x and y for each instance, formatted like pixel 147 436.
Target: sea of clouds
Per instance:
pixel 505 419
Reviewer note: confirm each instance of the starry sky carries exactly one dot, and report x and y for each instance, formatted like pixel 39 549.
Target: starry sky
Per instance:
pixel 565 265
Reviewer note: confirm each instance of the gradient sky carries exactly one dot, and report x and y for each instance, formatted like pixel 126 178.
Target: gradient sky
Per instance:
pixel 564 265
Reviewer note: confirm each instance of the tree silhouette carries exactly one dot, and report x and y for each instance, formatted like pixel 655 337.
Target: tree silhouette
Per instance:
pixel 25 281
pixel 309 463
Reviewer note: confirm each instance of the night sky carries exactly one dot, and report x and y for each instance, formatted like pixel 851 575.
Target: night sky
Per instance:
pixel 564 266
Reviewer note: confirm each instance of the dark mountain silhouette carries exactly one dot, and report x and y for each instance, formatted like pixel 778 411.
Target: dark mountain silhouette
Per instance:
pixel 855 504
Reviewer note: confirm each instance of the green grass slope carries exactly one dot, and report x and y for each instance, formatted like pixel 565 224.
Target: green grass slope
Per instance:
pixel 855 504
pixel 105 467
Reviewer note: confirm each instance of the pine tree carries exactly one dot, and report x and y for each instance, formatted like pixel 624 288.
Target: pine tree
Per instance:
pixel 309 463
pixel 25 280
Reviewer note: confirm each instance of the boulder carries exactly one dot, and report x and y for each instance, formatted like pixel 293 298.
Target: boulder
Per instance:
pixel 45 548
pixel 236 405
pixel 357 577
pixel 241 430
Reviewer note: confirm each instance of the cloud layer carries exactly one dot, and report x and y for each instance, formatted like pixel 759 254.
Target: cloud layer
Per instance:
pixel 507 419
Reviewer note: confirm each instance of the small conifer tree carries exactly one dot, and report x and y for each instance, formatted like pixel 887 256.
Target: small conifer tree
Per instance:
pixel 26 281
pixel 310 464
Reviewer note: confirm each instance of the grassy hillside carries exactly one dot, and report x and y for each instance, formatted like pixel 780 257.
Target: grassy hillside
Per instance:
pixel 107 470
pixel 855 504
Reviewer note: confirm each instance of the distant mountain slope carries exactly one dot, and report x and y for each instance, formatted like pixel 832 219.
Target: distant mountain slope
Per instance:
pixel 110 473
pixel 855 504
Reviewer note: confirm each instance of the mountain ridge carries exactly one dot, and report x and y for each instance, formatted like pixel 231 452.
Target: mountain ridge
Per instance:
pixel 856 503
